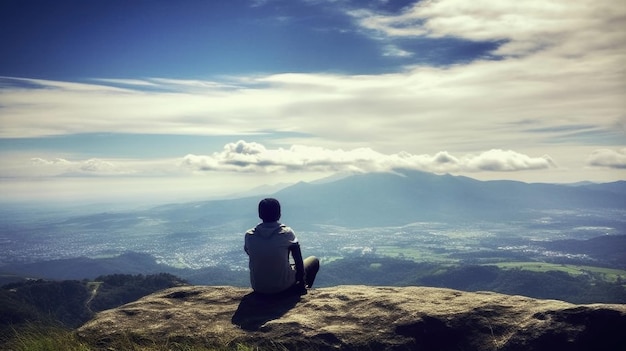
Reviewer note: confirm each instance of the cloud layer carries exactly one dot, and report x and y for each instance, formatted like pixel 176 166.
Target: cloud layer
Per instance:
pixel 562 65
pixel 555 83
pixel 252 157
pixel 574 28
pixel 608 158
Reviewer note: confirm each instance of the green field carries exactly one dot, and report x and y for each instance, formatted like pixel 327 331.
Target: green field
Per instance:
pixel 607 274
pixel 329 259
pixel 426 255
pixel 413 254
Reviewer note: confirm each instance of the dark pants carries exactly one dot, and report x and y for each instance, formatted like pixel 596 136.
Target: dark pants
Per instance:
pixel 311 267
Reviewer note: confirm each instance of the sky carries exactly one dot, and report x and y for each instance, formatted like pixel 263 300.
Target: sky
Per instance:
pixel 165 101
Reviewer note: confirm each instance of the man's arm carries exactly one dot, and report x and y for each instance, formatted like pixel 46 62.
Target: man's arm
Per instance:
pixel 245 243
pixel 297 258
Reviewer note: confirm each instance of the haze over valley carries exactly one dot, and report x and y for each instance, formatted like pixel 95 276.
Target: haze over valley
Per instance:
pixel 406 215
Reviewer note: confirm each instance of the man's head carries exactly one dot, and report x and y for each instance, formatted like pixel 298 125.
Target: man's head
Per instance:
pixel 269 210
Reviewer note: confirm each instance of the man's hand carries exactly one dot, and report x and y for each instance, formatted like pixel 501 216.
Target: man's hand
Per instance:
pixel 301 288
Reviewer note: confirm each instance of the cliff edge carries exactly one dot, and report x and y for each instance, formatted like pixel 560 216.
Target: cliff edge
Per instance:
pixel 361 317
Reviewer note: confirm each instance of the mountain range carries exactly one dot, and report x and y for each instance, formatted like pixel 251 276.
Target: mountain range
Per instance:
pixel 405 196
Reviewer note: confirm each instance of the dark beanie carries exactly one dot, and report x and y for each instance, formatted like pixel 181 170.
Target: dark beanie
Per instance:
pixel 269 210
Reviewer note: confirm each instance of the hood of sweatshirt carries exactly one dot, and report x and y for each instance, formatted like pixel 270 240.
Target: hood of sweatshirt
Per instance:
pixel 267 229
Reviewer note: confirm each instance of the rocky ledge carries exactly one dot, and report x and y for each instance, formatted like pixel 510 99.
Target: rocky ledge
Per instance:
pixel 361 317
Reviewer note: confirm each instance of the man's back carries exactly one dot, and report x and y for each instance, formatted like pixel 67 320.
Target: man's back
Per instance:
pixel 268 246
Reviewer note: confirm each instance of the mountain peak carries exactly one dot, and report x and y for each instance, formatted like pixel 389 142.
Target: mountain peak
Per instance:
pixel 361 317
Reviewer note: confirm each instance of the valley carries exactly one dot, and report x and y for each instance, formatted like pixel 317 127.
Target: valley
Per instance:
pixel 194 246
pixel 380 220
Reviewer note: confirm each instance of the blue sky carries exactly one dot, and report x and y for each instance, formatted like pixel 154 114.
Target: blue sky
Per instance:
pixel 113 39
pixel 165 100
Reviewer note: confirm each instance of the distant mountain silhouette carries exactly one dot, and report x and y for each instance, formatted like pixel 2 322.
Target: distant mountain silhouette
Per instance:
pixel 406 196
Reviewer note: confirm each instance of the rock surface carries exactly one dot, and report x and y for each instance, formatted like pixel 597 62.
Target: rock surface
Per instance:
pixel 361 317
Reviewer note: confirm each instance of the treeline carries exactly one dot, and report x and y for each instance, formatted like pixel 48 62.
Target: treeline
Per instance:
pixel 372 270
pixel 117 289
pixel 70 303
pixel 41 301
pixel 581 289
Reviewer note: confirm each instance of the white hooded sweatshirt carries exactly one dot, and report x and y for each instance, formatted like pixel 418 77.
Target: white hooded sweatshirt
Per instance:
pixel 268 244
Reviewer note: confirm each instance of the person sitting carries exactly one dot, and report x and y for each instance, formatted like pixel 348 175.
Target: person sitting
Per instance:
pixel 269 246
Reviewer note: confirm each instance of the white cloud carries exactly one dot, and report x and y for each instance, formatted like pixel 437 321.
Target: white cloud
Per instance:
pixel 608 158
pixel 253 157
pixel 571 27
pixel 61 167
pixel 506 161
pixel 395 51
pixel 98 166
pixel 53 162
pixel 18 165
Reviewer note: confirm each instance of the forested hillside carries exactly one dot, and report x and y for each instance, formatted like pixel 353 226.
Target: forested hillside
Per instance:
pixel 69 303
